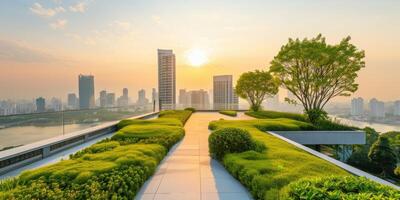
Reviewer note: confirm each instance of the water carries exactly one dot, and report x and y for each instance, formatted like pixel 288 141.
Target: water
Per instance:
pixel 382 128
pixel 21 135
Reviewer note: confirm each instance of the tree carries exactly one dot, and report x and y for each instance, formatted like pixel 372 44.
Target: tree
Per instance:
pixel 315 72
pixel 255 87
pixel 382 154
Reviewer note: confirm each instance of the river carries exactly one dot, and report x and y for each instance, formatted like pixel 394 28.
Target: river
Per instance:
pixel 382 128
pixel 22 135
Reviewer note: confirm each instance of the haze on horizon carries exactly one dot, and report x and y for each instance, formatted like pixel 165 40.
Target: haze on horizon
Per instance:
pixel 46 44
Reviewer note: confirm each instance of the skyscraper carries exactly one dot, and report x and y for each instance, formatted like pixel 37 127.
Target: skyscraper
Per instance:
pixel 377 108
pixel 40 104
pixel 396 108
pixel 224 96
pixel 142 100
pixel 166 78
pixel 199 99
pixel 103 98
pixel 357 106
pixel 86 91
pixel 184 98
pixel 110 102
pixel 124 99
pixel 154 95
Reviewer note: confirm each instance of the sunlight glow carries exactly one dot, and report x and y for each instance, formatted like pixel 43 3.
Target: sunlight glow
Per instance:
pixel 197 57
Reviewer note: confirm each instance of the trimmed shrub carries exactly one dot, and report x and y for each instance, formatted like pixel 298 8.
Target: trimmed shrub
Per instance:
pixel 340 187
pixel 159 121
pixel 267 114
pixel 190 109
pixel 182 115
pixel 229 140
pixel 231 113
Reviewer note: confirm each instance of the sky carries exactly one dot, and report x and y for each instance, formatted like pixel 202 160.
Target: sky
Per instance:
pixel 46 44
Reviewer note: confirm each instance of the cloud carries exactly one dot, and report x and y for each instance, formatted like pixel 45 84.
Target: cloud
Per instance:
pixel 19 52
pixel 79 7
pixel 39 10
pixel 59 24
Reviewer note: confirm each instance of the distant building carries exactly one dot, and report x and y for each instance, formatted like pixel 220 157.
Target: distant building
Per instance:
pixel 272 102
pixel 40 104
pixel 357 106
pixel 55 104
pixel 377 108
pixel 86 92
pixel 166 78
pixel 184 97
pixel 124 99
pixel 224 96
pixel 103 98
pixel 72 101
pixel 199 99
pixel 396 108
pixel 110 102
pixel 154 95
pixel 142 100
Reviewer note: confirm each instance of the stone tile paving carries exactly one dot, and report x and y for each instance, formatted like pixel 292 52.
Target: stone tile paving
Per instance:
pixel 189 173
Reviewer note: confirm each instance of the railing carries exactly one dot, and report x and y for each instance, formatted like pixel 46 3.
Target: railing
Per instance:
pixel 17 157
pixel 206 107
pixel 23 129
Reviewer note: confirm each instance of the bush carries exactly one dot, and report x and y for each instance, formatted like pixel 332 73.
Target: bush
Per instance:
pixel 190 109
pixel 231 113
pixel 339 187
pixel 181 115
pixel 158 121
pixel 229 140
pixel 266 114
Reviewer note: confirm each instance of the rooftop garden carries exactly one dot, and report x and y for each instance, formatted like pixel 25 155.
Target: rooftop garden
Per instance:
pixel 274 169
pixel 114 168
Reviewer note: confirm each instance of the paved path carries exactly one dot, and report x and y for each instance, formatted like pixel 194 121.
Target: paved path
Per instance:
pixel 189 173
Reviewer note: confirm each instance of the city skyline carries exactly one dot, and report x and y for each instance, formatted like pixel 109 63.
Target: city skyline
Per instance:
pixel 116 47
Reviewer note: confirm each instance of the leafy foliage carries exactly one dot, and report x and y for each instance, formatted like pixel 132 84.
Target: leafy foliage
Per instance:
pixel 191 109
pixel 231 113
pixel 255 87
pixel 339 187
pixel 229 140
pixel 264 114
pixel 182 115
pixel 382 155
pixel 315 72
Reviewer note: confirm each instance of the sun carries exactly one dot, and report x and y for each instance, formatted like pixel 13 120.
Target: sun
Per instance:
pixel 197 57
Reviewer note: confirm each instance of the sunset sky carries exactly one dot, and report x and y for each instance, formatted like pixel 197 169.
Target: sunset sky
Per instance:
pixel 46 44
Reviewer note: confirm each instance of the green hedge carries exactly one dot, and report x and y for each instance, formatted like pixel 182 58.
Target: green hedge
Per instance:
pixel 349 187
pixel 182 115
pixel 229 140
pixel 266 174
pixel 231 113
pixel 114 168
pixel 264 114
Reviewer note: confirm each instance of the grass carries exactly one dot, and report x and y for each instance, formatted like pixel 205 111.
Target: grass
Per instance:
pixel 231 113
pixel 114 168
pixel 324 125
pixel 267 174
pixel 267 114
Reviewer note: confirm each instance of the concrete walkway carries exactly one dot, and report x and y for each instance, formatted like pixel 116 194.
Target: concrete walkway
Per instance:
pixel 189 173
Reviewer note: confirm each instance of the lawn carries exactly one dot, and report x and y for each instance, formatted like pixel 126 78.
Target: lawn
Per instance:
pixel 231 113
pixel 114 168
pixel 267 174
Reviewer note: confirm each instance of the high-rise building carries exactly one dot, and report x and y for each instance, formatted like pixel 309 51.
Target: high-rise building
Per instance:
pixel 72 101
pixel 223 93
pixel 142 100
pixel 396 108
pixel 103 98
pixel 377 108
pixel 357 106
pixel 154 95
pixel 124 99
pixel 86 92
pixel 184 98
pixel 166 78
pixel 110 102
pixel 199 99
pixel 40 104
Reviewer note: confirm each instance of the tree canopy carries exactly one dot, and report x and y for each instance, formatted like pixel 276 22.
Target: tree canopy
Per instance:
pixel 315 72
pixel 255 87
pixel 382 154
